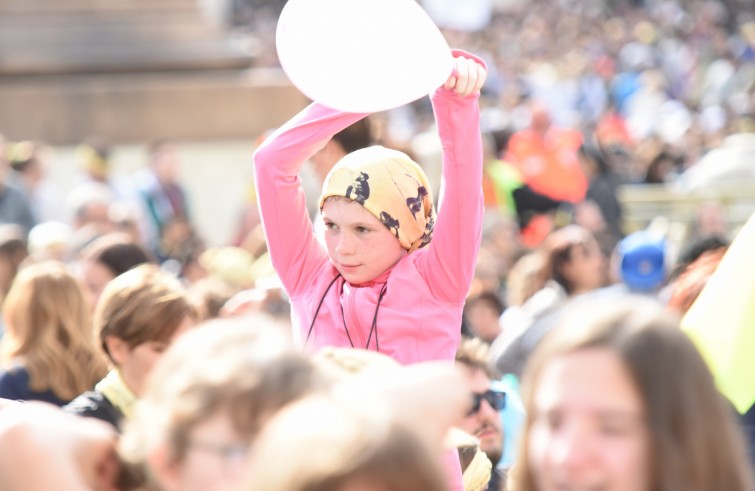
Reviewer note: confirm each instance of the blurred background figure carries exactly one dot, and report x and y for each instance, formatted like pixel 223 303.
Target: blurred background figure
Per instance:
pixel 107 257
pixel 13 251
pixel 483 421
pixel 164 198
pixel 28 172
pixel 15 206
pixel 602 189
pixel 48 350
pixel 547 157
pixel 573 266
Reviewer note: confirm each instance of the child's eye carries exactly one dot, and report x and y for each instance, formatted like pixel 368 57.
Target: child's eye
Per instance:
pixel 330 225
pixel 362 230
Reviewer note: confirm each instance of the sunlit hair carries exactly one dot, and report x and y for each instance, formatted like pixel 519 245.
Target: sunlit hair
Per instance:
pixel 525 278
pixel 49 331
pixel 327 444
pixel 695 441
pixel 473 353
pixel 141 305
pixel 244 368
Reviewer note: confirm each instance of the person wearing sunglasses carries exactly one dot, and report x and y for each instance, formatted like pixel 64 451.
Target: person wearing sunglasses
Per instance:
pixel 483 420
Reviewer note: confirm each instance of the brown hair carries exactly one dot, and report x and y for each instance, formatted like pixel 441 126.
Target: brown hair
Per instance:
pixel 473 354
pixel 50 331
pixel 117 252
pixel 557 250
pixel 695 441
pixel 141 305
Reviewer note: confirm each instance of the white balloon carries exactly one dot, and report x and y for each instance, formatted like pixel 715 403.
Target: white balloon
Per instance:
pixel 362 55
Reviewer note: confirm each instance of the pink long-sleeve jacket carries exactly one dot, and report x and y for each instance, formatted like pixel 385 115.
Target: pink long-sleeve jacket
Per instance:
pixel 419 317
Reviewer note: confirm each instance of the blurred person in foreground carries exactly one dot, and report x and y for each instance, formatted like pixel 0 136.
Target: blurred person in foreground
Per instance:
pixel 194 425
pixel 618 398
pixel 385 426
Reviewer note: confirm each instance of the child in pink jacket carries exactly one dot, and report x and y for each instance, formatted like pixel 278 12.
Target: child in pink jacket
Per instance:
pixel 395 275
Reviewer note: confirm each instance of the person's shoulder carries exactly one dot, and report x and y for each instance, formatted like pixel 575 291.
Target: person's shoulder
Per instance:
pixel 14 382
pixel 94 404
pixel 14 374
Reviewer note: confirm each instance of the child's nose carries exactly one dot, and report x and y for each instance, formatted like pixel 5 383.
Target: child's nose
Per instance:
pixel 345 244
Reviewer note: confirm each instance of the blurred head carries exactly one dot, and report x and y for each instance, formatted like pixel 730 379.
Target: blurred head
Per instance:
pixel 163 158
pixel 107 257
pixel 13 251
pixel 573 260
pixel 89 203
pixel 327 444
pixel 25 159
pixel 94 155
pixel 592 160
pixel 140 313
pixel 540 120
pixel 483 421
pixel 196 420
pixel 49 329
pixel 618 398
pixel 482 313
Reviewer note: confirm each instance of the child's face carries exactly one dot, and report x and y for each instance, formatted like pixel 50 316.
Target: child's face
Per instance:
pixel 360 246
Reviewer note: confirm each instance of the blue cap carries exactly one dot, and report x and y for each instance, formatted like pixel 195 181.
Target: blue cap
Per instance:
pixel 643 261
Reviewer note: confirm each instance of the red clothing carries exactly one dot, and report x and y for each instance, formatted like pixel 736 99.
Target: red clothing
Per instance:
pixel 549 164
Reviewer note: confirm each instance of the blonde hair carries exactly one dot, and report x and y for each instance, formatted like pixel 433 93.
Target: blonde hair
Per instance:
pixel 49 331
pixel 245 368
pixel 326 444
pixel 141 305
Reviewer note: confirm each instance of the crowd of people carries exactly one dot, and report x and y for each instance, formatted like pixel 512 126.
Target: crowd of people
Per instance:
pixel 461 307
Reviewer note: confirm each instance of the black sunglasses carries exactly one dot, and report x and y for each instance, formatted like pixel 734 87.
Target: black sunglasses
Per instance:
pixel 497 401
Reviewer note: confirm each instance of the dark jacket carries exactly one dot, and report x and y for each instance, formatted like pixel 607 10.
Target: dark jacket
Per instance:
pixel 14 385
pixel 94 404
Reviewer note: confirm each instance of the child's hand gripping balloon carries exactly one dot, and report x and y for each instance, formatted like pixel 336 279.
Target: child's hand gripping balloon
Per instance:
pixel 467 78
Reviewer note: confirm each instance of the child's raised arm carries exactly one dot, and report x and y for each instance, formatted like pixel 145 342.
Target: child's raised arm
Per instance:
pixel 448 266
pixel 294 251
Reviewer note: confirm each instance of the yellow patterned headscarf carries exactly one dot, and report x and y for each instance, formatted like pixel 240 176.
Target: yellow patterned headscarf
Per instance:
pixel 389 185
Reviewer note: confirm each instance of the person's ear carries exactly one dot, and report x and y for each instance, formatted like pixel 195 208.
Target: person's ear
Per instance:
pixel 118 349
pixel 164 468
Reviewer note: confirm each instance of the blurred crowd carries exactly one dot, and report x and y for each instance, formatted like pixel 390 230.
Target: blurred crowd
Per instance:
pixel 571 327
